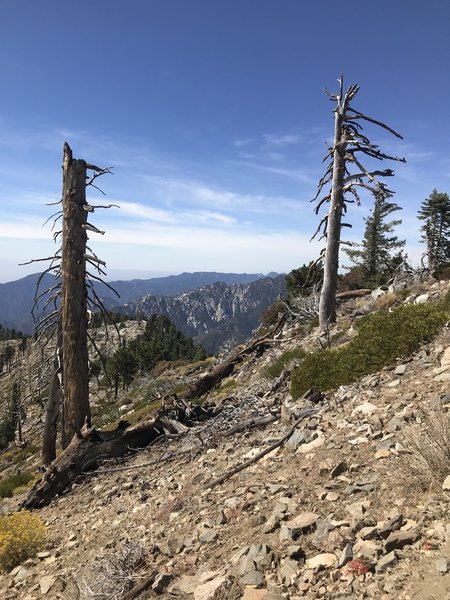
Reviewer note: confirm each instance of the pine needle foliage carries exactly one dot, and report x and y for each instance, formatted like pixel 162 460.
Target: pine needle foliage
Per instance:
pixel 435 212
pixel 375 255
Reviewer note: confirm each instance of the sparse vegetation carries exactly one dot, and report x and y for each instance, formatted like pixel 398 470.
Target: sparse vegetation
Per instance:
pixel 428 445
pixel 382 337
pixel 112 576
pixel 10 484
pixel 22 535
pixel 276 368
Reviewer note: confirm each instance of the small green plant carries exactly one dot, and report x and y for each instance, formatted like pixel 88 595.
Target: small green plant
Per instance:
pixel 22 535
pixel 276 368
pixel 25 453
pixel 228 384
pixel 8 485
pixel 382 338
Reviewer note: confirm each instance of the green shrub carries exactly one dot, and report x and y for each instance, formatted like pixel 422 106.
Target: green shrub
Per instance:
pixel 22 535
pixel 8 485
pixel 382 337
pixel 25 453
pixel 276 368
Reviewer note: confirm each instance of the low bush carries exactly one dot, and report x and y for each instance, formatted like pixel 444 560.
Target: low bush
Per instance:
pixel 25 453
pixel 22 535
pixel 8 485
pixel 382 337
pixel 276 368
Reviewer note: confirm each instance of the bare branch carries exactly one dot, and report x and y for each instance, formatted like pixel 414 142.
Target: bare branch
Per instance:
pixel 56 214
pixel 38 260
pixel 359 115
pixel 90 227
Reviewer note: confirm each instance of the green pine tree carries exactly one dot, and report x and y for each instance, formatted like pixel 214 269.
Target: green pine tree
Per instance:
pixel 376 257
pixel 435 211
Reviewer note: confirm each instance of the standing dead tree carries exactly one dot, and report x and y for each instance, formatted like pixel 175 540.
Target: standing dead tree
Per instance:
pixel 65 328
pixel 346 174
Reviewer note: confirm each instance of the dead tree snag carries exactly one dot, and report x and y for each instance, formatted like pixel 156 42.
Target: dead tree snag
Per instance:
pixel 348 144
pixel 64 329
pixel 74 317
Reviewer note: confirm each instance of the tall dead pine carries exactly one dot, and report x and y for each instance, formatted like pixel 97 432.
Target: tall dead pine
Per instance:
pixel 347 176
pixel 64 330
pixel 74 315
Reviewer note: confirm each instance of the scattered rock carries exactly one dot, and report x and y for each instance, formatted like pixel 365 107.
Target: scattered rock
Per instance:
pixel 327 559
pixel 46 583
pixel 292 529
pixel 392 525
pixel 386 562
pixel 254 578
pixel 287 571
pixel 400 539
pixel 442 565
pixel 162 580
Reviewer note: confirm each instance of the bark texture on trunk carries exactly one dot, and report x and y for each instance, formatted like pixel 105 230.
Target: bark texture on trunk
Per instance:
pixel 76 410
pixel 327 303
pixel 53 406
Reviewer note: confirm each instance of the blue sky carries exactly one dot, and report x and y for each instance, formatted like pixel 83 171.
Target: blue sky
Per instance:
pixel 212 115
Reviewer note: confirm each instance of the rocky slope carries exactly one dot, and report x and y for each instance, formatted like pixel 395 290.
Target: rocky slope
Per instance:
pixel 217 316
pixel 337 512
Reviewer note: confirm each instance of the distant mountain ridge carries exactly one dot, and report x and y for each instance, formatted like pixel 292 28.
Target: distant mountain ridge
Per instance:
pixel 217 316
pixel 16 297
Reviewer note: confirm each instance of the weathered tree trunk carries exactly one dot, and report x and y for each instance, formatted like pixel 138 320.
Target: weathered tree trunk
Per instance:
pixel 53 405
pixel 74 318
pixel 327 303
pixel 88 450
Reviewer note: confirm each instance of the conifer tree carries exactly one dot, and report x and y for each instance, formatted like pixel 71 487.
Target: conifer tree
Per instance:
pixel 435 211
pixel 375 256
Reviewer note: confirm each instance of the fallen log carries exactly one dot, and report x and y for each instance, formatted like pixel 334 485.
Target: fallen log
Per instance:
pixel 348 294
pixel 88 449
pixel 224 369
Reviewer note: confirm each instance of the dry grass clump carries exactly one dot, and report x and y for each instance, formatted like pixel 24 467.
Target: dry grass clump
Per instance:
pixel 112 576
pixel 429 446
pixel 22 535
pixel 385 301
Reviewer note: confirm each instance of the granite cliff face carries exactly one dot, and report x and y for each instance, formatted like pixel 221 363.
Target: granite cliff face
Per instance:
pixel 218 316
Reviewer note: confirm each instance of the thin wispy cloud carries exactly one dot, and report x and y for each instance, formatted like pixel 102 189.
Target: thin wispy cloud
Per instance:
pixel 243 142
pixel 291 172
pixel 134 209
pixel 286 139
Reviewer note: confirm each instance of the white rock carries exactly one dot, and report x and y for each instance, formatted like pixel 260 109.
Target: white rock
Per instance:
pixel 445 360
pixel 327 559
pixel 305 448
pixel 365 409
pixel 422 299
pixel 446 484
pixel 45 583
pixel 377 293
pixel 394 383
